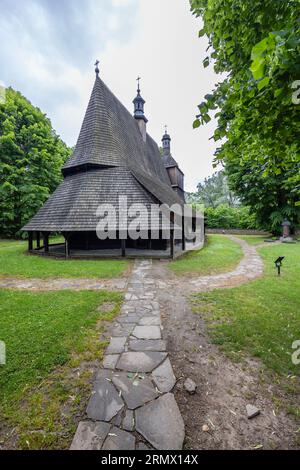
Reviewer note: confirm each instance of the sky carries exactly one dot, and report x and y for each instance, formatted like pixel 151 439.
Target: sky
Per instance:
pixel 49 47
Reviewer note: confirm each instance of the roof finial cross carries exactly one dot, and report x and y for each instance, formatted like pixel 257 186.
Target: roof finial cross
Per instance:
pixel 166 129
pixel 138 80
pixel 97 68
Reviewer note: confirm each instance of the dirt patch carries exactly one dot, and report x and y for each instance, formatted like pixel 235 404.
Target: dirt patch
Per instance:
pixel 106 307
pixel 224 387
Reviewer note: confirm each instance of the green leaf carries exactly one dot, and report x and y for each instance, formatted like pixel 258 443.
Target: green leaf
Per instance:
pixel 206 118
pixel 278 92
pixel 201 33
pixel 206 62
pixel 203 108
pixel 196 124
pixel 263 83
pixel 258 68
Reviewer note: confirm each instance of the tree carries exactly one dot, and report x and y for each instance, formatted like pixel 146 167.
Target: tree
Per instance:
pixel 215 191
pixel 257 46
pixel 31 157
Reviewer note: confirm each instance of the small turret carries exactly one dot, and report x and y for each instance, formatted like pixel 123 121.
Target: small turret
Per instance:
pixel 175 174
pixel 139 115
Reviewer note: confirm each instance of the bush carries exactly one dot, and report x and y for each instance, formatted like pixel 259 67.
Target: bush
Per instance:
pixel 226 217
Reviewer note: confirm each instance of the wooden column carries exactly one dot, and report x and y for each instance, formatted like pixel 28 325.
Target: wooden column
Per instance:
pixel 46 242
pixel 67 247
pixel 123 245
pixel 30 241
pixel 38 240
pixel 172 245
pixel 183 234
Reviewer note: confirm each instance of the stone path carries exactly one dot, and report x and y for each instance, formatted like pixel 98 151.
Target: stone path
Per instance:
pixel 250 267
pixel 62 284
pixel 132 405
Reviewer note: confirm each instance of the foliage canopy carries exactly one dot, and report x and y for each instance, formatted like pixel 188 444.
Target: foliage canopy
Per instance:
pixel 31 157
pixel 255 45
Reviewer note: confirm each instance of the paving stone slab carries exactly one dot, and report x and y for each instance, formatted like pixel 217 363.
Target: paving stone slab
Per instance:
pixel 105 402
pixel 90 436
pixel 110 361
pixel 147 345
pixel 164 376
pixel 161 423
pixel 128 422
pixel 122 330
pixel 147 332
pixel 142 446
pixel 119 440
pixel 140 361
pixel 150 321
pixel 123 319
pixel 116 345
pixel 136 390
pixel 104 374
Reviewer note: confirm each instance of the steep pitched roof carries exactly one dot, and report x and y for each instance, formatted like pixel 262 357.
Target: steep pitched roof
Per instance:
pixel 110 159
pixel 110 136
pixel 73 206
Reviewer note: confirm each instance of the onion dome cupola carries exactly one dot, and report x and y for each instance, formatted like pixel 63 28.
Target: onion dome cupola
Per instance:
pixel 166 141
pixel 139 113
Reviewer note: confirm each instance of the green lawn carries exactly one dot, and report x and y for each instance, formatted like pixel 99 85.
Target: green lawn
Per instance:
pixel 253 239
pixel 218 255
pixel 46 335
pixel 261 318
pixel 14 261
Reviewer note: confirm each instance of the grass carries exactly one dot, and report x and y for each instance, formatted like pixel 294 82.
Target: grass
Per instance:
pixel 50 339
pixel 14 261
pixel 254 239
pixel 261 318
pixel 219 254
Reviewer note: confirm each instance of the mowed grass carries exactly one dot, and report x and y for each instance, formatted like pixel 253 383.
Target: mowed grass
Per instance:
pixel 255 239
pixel 261 318
pixel 40 330
pixel 51 340
pixel 219 254
pixel 14 261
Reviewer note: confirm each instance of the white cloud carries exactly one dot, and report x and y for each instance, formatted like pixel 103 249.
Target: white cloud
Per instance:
pixel 166 51
pixel 156 39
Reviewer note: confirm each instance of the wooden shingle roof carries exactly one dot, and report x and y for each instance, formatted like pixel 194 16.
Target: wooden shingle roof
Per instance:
pixel 110 160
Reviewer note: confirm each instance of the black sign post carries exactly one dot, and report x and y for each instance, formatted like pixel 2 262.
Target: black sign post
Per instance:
pixel 278 263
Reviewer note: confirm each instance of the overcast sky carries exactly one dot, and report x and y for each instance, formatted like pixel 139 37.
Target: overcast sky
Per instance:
pixel 48 49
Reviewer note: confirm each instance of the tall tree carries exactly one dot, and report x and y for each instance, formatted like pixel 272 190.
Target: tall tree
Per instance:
pixel 214 191
pixel 256 44
pixel 31 157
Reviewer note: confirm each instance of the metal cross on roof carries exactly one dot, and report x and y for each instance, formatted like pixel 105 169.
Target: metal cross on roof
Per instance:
pixel 138 80
pixel 97 68
pixel 166 129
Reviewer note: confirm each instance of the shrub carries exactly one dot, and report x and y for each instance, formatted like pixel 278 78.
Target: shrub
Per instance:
pixel 226 217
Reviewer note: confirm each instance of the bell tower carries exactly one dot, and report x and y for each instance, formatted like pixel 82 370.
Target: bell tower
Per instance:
pixel 139 115
pixel 175 174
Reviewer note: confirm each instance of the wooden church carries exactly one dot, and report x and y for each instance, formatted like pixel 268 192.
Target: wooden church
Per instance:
pixel 114 156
